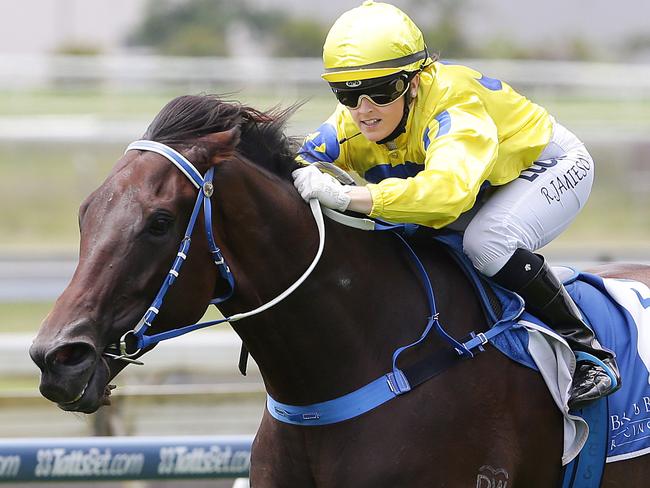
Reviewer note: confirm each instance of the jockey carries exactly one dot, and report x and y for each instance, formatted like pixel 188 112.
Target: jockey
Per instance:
pixel 441 145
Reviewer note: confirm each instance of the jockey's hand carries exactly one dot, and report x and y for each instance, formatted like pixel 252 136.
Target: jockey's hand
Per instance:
pixel 312 183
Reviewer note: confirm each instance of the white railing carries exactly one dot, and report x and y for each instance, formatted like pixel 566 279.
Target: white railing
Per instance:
pixel 123 72
pixel 615 80
pixel 212 352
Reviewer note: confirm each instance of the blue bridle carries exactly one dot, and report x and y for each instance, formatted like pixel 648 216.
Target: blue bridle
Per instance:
pixel 206 188
pixel 134 341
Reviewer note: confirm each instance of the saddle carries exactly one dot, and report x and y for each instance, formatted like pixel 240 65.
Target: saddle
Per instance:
pixel 618 310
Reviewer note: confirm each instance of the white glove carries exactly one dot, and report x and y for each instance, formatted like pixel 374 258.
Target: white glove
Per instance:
pixel 311 183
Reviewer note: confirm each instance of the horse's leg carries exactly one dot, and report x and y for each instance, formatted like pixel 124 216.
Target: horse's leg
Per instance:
pixel 538 426
pixel 497 424
pixel 484 421
pixel 278 459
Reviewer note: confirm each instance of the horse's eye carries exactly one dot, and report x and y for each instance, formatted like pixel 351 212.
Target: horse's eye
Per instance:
pixel 160 225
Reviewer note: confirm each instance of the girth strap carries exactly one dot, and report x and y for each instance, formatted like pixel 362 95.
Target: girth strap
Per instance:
pixel 381 390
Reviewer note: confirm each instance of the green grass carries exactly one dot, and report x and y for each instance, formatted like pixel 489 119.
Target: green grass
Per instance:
pixel 41 189
pixel 80 102
pixel 145 104
pixel 23 317
pixel 601 112
pixel 19 383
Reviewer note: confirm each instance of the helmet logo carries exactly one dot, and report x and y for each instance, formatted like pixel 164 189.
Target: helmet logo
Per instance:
pixel 353 84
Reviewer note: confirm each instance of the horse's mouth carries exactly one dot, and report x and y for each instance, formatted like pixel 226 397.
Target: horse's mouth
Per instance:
pixel 75 400
pixel 94 394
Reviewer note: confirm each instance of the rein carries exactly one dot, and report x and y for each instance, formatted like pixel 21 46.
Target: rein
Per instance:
pixel 135 339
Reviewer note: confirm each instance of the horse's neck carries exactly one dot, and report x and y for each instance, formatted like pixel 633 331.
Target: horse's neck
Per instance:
pixel 338 330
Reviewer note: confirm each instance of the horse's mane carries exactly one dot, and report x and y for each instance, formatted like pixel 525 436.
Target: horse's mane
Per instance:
pixel 189 117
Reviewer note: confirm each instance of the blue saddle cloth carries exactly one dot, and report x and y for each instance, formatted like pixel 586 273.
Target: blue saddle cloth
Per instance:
pixel 619 313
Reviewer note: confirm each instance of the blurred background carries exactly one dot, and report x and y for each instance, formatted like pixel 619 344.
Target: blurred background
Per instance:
pixel 79 79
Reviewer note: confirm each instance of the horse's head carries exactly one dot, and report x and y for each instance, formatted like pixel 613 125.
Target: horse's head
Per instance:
pixel 131 227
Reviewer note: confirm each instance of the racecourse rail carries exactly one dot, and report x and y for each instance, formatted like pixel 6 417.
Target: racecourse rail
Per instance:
pixel 125 458
pixel 122 71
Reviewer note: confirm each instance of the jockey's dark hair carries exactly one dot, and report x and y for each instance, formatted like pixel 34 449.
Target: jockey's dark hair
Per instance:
pixel 189 117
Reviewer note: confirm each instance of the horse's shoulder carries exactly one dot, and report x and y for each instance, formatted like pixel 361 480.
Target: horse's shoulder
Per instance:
pixel 637 272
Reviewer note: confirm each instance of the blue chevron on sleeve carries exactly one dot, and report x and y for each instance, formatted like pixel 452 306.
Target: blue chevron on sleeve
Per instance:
pixel 444 123
pixel 490 83
pixel 322 145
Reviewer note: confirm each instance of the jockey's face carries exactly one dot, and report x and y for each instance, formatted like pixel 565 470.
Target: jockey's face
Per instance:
pixel 377 122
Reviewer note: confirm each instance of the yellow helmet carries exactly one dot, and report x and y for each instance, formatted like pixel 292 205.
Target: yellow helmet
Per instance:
pixel 370 41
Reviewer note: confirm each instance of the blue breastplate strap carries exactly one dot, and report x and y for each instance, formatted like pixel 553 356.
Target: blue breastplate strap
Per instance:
pixel 379 391
pixel 398 381
pixel 342 408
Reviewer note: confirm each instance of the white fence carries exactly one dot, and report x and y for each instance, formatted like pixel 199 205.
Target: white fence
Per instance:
pixel 286 80
pixel 207 352
pixel 614 80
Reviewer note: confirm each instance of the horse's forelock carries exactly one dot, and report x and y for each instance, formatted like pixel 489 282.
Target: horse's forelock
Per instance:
pixel 187 118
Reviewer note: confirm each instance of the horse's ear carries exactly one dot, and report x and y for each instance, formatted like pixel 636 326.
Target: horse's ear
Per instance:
pixel 222 144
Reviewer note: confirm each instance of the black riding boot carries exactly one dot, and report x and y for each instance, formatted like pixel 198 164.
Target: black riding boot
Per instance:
pixel 528 275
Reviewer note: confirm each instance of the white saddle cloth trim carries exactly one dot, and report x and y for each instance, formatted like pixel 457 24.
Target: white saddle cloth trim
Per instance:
pixel 623 291
pixel 556 363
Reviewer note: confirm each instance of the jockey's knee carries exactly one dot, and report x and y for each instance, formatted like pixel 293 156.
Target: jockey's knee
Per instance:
pixel 487 250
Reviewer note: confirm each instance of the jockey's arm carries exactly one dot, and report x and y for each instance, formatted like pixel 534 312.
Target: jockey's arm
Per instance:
pixel 360 200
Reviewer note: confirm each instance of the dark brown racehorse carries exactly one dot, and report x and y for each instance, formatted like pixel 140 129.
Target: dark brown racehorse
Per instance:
pixel 334 334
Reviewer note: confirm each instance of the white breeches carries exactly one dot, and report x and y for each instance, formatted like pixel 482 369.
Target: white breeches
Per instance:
pixel 532 210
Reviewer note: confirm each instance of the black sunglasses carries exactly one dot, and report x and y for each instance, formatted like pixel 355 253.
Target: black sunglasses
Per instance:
pixel 381 92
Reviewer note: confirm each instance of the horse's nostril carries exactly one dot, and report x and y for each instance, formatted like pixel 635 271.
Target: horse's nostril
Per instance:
pixel 70 355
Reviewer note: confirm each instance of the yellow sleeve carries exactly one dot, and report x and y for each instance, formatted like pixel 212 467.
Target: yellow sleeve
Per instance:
pixel 461 149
